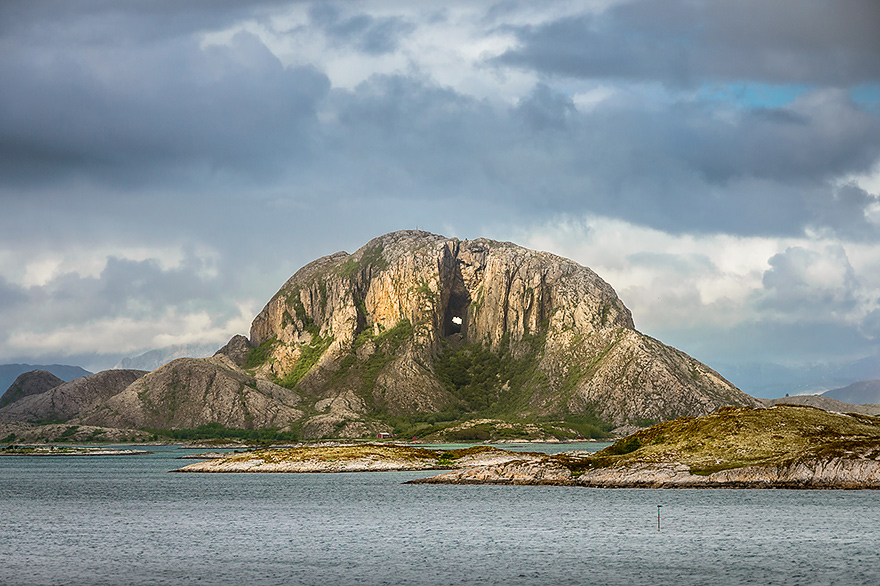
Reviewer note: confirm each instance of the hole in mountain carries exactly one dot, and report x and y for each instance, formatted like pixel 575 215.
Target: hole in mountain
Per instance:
pixel 455 326
pixel 455 321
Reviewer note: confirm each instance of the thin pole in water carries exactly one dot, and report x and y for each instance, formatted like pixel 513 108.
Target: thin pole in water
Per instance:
pixel 658 516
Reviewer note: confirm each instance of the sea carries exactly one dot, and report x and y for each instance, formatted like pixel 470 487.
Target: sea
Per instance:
pixel 119 520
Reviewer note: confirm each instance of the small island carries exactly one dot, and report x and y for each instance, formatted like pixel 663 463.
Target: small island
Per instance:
pixel 785 446
pixel 370 457
pixel 15 450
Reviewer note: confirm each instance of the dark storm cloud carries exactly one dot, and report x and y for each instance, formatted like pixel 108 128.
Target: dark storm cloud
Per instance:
pixel 11 296
pixel 364 32
pixel 141 20
pixel 154 112
pixel 171 115
pixel 680 167
pixel 683 42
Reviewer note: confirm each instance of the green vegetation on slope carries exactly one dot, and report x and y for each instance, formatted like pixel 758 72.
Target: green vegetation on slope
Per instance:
pixel 310 355
pixel 259 355
pixel 488 383
pixel 734 437
pixel 386 344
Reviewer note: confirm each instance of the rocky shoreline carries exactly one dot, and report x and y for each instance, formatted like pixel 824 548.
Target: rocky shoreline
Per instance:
pixel 834 474
pixel 785 446
pixel 352 458
pixel 68 451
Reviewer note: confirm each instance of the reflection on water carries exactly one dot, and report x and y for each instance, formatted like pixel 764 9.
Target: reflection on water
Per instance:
pixel 116 520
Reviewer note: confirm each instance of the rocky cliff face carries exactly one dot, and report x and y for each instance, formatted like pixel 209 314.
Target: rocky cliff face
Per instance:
pixel 72 398
pixel 415 322
pixel 29 383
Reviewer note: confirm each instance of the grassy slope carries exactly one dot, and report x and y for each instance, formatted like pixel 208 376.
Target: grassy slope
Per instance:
pixel 734 437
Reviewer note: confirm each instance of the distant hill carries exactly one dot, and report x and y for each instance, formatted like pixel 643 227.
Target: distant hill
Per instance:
pixel 770 380
pixel 825 403
pixel 32 382
pixel 153 359
pixel 72 398
pixel 866 392
pixel 10 372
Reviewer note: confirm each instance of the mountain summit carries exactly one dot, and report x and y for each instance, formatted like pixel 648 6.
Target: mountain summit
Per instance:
pixel 415 322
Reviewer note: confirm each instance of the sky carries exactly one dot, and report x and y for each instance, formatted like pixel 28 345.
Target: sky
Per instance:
pixel 165 166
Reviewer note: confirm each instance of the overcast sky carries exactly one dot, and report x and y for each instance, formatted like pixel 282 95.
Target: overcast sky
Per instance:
pixel 165 166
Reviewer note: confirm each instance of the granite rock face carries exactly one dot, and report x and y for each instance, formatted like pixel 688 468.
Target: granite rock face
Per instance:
pixel 29 383
pixel 384 323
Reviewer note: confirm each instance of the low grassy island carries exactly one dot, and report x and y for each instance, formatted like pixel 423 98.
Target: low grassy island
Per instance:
pixel 16 450
pixel 353 458
pixel 786 446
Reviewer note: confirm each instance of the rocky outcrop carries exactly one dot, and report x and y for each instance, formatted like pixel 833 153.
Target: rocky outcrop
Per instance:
pixel 411 330
pixel 190 392
pixel 418 323
pixel 237 350
pixel 352 458
pixel 835 473
pixel 779 447
pixel 71 399
pixel 29 383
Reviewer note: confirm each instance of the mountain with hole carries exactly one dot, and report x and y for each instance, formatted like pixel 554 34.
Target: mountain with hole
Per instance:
pixel 414 334
pixel 416 329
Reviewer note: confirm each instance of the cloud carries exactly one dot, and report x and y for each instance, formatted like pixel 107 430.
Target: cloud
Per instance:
pixel 161 161
pixel 130 305
pixel 682 42
pixel 811 285
pixel 372 35
pixel 727 299
pixel 154 114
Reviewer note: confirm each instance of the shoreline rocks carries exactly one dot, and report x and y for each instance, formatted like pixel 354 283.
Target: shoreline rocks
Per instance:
pixel 835 474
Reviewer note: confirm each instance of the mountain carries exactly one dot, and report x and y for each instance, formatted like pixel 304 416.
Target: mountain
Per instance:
pixel 866 392
pixel 9 372
pixel 416 323
pixel 189 392
pixel 70 399
pixel 155 358
pixel 29 383
pixel 776 380
pixel 414 332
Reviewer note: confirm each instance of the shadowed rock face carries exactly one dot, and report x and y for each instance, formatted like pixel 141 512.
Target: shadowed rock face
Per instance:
pixel 29 383
pixel 72 398
pixel 410 324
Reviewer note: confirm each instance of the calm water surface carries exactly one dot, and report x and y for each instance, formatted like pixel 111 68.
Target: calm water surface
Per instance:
pixel 125 520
